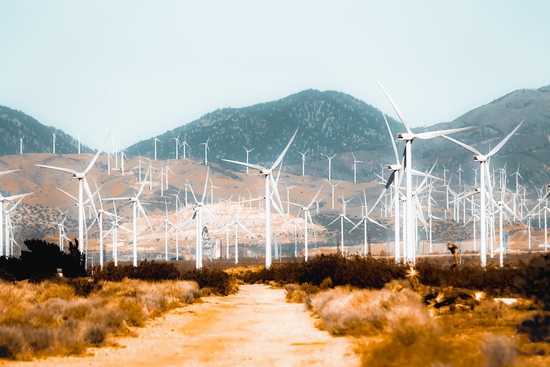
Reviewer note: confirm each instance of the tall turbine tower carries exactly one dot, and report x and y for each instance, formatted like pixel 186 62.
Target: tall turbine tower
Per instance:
pixel 269 183
pixel 408 138
pixel 484 174
pixel 82 185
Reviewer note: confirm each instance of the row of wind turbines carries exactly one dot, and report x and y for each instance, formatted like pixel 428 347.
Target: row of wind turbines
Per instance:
pixel 406 211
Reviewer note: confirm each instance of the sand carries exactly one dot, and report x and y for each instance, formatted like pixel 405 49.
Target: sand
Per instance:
pixel 255 327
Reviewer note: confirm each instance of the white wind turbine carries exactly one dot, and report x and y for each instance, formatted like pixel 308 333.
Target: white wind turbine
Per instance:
pixel 177 140
pixel 329 166
pixel 355 161
pixel 82 186
pixel 136 206
pixel 206 149
pixel 408 137
pixel 342 216
pixel 247 153
pixel 304 161
pixel 237 224
pixel 61 229
pixel 155 144
pixel 5 215
pixel 198 207
pixel 332 186
pixel 185 145
pixel 115 222
pixel 269 183
pixel 307 216
pixel 484 174
pixel 53 143
pixel 288 188
pixel 542 200
pixel 79 142
pixel 364 219
pixel 9 228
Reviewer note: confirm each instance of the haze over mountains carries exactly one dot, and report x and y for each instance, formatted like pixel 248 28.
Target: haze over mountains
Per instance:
pixel 329 122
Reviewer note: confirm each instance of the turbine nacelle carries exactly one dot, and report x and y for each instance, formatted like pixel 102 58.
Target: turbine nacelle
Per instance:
pixel 406 136
pixel 265 172
pixel 394 167
pixel 480 158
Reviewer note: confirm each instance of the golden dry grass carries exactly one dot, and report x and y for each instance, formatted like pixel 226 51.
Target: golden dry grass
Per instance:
pixel 49 319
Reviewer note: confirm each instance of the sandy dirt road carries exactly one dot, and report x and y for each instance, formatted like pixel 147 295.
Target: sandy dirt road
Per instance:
pixel 255 327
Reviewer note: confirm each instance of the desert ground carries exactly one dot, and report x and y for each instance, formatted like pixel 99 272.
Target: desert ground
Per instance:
pixel 255 327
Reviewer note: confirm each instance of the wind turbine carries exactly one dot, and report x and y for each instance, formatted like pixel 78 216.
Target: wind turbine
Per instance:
pixel 198 207
pixel 20 145
pixel 206 149
pixel 237 224
pixel 269 183
pixel 355 161
pixel 483 174
pixel 53 143
pixel 332 192
pixel 408 137
pixel 184 145
pixel 365 218
pixel 136 206
pixel 5 214
pixel 329 166
pixel 247 152
pixel 155 144
pixel 303 161
pixel 307 216
pixel 177 145
pixel 342 216
pixel 115 225
pixel 79 142
pixel 82 185
pixel 61 228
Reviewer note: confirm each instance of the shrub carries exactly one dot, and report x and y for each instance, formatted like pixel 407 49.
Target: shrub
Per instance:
pixel 536 327
pixel 215 279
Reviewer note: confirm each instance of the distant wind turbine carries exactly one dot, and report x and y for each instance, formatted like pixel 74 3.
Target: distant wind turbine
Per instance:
pixel 269 184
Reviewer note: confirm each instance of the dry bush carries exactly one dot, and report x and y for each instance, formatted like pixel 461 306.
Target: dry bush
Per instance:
pixel 366 312
pixel 49 319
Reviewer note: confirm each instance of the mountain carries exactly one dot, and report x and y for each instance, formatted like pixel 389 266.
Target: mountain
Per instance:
pixel 329 122
pixel 37 138
pixel 529 149
pixel 336 123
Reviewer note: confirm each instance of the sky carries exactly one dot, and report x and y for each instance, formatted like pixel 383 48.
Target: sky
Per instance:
pixel 141 68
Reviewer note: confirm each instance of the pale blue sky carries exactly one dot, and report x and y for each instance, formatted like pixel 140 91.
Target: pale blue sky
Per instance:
pixel 144 67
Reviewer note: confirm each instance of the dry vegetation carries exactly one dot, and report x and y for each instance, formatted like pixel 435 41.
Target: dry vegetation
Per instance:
pixel 49 318
pixel 418 321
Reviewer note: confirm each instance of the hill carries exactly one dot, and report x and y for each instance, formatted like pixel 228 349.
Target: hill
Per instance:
pixel 21 132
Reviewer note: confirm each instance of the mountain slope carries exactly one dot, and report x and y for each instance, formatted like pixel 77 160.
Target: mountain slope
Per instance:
pixel 329 122
pixel 37 138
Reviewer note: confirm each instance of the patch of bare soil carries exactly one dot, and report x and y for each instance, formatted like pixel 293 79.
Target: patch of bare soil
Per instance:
pixel 255 327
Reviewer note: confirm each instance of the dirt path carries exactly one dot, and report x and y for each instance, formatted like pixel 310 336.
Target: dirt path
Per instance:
pixel 255 327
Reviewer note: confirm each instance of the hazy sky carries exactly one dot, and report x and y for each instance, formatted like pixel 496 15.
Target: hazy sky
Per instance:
pixel 141 68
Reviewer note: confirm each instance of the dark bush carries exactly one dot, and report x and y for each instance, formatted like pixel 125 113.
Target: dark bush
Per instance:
pixel 533 280
pixel 41 261
pixel 146 270
pixel 217 280
pixel 536 327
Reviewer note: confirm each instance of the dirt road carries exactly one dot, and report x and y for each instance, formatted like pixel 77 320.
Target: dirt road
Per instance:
pixel 255 327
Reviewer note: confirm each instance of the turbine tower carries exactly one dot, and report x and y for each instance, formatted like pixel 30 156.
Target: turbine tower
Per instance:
pixel 408 137
pixel 484 174
pixel 82 185
pixel 269 183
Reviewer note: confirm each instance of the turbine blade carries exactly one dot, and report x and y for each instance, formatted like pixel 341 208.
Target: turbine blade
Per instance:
pixel 401 117
pixel 255 166
pixel 433 134
pixel 392 140
pixel 67 170
pixel 501 144
pixel 97 155
pixel 280 158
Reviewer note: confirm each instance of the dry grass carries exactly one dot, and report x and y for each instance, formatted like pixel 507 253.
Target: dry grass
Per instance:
pixel 396 328
pixel 50 319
